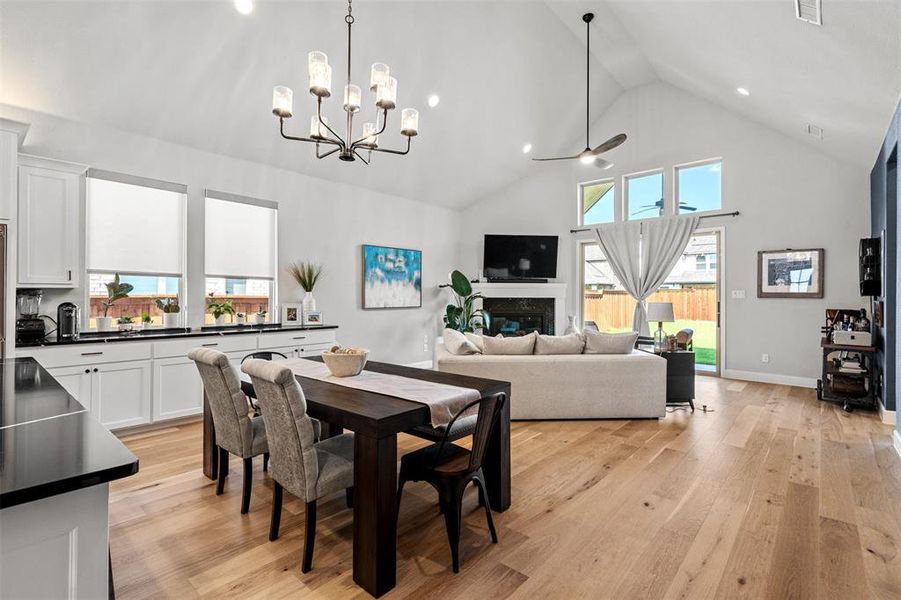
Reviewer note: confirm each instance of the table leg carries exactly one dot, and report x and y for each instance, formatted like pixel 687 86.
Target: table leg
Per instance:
pixel 496 464
pixel 331 430
pixel 210 454
pixel 375 524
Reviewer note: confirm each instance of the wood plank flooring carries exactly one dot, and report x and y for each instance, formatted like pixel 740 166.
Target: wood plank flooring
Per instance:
pixel 771 495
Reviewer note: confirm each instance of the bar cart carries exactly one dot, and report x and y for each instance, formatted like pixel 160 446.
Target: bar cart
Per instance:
pixel 849 375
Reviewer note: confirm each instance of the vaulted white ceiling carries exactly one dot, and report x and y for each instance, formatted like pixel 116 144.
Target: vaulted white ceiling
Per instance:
pixel 200 74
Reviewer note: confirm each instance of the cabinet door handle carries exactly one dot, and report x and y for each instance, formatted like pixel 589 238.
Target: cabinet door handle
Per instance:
pixel 87 370
pixel 210 344
pixel 70 275
pixel 299 337
pixel 91 353
pixel 96 369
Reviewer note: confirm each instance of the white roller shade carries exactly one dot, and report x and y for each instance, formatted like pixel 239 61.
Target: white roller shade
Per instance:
pixel 240 238
pixel 134 229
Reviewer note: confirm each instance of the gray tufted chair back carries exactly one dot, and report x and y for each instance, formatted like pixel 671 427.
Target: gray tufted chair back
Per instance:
pixel 228 404
pixel 289 429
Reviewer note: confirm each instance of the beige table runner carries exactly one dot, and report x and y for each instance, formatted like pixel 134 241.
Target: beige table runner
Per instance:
pixel 444 401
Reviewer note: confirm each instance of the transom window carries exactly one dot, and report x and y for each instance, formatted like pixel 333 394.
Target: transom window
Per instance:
pixel 598 202
pixel 644 194
pixel 699 187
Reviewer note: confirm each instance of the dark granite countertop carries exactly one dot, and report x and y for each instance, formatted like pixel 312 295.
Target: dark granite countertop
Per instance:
pixel 165 334
pixel 49 443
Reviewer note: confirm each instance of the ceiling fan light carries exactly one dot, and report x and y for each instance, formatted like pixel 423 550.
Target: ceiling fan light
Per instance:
pixel 378 75
pixel 282 102
pixel 587 159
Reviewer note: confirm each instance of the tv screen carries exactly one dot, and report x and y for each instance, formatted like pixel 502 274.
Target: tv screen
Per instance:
pixel 520 256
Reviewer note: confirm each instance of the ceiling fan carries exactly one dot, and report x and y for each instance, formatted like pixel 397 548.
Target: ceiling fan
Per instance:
pixel 590 156
pixel 659 207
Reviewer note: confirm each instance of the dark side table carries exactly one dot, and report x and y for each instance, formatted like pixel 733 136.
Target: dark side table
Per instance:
pixel 680 377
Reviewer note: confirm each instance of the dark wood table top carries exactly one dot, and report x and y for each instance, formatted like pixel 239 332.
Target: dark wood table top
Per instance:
pixel 379 415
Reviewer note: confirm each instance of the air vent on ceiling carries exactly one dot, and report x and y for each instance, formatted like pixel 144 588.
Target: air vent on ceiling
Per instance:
pixel 814 131
pixel 809 11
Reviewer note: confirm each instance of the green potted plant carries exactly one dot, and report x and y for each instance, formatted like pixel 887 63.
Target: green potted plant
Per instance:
pixel 115 290
pixel 220 309
pixel 240 318
pixel 146 320
pixel 462 314
pixel 170 309
pixel 125 323
pixel 261 315
pixel 306 274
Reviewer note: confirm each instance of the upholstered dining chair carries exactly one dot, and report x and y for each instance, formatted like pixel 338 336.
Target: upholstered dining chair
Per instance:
pixel 449 468
pixel 236 432
pixel 307 469
pixel 273 355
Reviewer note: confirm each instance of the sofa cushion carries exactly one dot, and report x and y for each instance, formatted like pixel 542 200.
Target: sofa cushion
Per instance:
pixel 476 339
pixel 572 343
pixel 456 343
pixel 599 342
pixel 510 345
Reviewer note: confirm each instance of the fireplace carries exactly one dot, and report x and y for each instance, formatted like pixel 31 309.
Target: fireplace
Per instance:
pixel 519 316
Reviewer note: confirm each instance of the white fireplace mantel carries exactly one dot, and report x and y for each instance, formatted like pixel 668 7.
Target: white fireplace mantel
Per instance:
pixel 557 291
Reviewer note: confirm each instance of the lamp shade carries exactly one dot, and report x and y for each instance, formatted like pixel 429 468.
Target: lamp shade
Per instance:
pixel 661 312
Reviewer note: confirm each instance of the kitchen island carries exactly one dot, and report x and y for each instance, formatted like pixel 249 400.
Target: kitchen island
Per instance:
pixel 56 462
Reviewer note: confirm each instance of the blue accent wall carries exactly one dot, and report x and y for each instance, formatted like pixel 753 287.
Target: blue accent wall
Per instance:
pixel 885 181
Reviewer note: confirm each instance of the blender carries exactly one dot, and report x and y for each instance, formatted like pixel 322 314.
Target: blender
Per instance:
pixel 29 326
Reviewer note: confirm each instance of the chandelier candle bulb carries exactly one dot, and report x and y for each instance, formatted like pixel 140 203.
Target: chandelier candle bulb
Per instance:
pixel 320 74
pixel 409 122
pixel 369 137
pixel 282 102
pixel 386 94
pixel 352 97
pixel 318 131
pixel 378 75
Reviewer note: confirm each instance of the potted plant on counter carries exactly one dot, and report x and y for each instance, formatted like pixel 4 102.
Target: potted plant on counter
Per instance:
pixel 170 309
pixel 260 316
pixel 146 320
pixel 115 290
pixel 240 318
pixel 306 274
pixel 462 315
pixel 220 309
pixel 125 323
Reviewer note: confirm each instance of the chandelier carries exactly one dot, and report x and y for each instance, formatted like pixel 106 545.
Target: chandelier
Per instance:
pixel 321 133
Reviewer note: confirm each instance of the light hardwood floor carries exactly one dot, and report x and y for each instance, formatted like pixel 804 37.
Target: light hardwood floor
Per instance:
pixel 773 495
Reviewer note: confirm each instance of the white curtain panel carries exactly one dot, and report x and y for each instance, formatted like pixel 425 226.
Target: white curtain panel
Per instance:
pixel 642 255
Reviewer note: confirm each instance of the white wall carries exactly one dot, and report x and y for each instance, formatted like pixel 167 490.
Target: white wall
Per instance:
pixel 789 195
pixel 318 220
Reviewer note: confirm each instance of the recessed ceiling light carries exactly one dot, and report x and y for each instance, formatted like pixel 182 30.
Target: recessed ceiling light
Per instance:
pixel 527 148
pixel 245 7
pixel 743 91
pixel 434 100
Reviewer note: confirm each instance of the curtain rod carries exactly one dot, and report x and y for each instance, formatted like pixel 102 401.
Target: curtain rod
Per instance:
pixel 734 213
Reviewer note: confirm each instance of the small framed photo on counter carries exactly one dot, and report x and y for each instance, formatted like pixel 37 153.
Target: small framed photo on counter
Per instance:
pixel 313 317
pixel 292 314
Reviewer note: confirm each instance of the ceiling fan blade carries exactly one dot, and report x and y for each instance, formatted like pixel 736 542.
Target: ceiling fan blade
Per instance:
pixel 558 158
pixel 610 144
pixel 602 164
pixel 687 207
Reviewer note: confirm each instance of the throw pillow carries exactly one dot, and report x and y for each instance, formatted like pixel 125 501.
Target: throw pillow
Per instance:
pixel 510 345
pixel 572 343
pixel 476 339
pixel 599 342
pixel 456 343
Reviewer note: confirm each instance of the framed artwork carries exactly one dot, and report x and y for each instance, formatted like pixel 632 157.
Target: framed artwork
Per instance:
pixel 291 314
pixel 790 273
pixel 392 277
pixel 312 317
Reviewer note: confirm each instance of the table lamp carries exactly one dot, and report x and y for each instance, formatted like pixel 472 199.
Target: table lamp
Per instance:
pixel 662 312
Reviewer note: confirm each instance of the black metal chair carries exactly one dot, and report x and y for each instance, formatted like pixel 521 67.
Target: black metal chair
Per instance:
pixel 450 469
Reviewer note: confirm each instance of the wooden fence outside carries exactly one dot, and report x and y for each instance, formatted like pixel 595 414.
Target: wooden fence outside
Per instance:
pixel 614 309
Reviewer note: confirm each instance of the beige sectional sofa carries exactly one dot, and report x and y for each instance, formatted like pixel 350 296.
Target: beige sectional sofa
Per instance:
pixel 571 386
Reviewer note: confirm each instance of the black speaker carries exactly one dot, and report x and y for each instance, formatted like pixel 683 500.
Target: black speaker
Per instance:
pixel 870 267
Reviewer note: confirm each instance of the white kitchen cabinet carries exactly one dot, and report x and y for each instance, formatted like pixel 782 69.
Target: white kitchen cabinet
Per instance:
pixel 117 394
pixel 177 388
pixel 49 204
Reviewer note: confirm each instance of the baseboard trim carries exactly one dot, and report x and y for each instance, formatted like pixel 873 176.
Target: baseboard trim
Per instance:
pixel 896 439
pixel 805 382
pixel 887 416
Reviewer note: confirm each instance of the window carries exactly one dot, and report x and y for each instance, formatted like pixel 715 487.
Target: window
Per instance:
pixel 699 187
pixel 645 196
pixel 135 227
pixel 240 253
pixel 700 263
pixel 598 202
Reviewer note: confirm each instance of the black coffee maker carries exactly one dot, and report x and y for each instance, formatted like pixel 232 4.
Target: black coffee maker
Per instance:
pixel 67 321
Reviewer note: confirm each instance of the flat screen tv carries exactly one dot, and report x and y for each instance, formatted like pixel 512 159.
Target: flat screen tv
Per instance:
pixel 520 257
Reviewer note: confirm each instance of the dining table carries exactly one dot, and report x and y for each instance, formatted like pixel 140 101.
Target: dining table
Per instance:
pixel 376 419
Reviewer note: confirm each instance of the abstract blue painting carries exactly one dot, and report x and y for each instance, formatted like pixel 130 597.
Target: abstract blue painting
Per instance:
pixel 392 277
